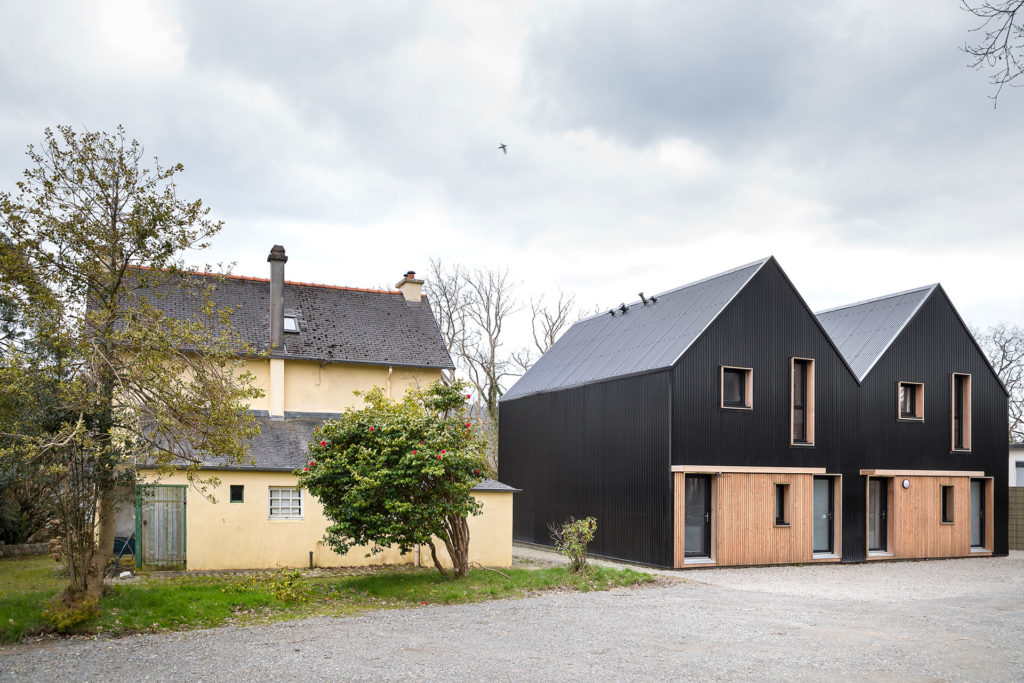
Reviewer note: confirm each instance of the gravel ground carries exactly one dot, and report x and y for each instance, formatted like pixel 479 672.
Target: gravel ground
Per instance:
pixel 951 620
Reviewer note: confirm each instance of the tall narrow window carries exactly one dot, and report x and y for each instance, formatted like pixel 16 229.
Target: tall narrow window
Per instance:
pixel 802 409
pixel 911 401
pixel 737 388
pixel 782 505
pixel 947 504
pixel 961 412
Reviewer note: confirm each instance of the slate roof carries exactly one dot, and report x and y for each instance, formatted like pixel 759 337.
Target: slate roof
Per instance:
pixel 494 485
pixel 644 339
pixel 863 331
pixel 338 324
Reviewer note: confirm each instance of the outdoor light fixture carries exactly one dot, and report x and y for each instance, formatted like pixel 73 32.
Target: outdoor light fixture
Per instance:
pixel 906 483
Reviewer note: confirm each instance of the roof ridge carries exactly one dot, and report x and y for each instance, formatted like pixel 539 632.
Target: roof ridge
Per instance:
pixel 878 298
pixel 759 262
pixel 253 278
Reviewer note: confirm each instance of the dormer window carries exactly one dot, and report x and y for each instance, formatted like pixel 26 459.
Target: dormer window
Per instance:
pixel 291 322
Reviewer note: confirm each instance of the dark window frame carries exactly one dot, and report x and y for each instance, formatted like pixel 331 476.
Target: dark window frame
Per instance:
pixel 916 391
pixel 240 489
pixel 783 504
pixel 746 376
pixel 801 402
pixel 960 412
pixel 948 501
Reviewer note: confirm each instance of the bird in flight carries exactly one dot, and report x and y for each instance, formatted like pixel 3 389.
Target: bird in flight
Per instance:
pixel 503 149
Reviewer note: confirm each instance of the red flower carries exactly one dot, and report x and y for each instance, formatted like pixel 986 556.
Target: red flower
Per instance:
pixel 371 429
pixel 444 451
pixel 476 472
pixel 323 443
pixel 467 395
pixel 414 452
pixel 438 457
pixel 305 469
pixel 312 462
pixel 467 425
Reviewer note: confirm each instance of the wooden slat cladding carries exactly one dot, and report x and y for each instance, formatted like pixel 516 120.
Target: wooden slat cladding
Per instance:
pixel 743 519
pixel 915 527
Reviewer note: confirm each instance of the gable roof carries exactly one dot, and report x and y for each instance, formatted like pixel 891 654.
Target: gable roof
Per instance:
pixel 644 339
pixel 863 331
pixel 336 324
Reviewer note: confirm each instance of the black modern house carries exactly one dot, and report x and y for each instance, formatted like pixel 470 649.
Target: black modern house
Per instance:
pixel 724 423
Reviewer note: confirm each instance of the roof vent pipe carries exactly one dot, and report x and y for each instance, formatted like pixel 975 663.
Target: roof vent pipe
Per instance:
pixel 643 298
pixel 277 259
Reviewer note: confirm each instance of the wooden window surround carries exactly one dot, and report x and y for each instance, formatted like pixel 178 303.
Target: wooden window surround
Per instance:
pixel 910 401
pixel 960 412
pixel 947 504
pixel 783 504
pixel 736 388
pixel 801 403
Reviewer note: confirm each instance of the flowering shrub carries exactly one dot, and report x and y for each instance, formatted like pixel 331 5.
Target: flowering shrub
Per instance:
pixel 399 473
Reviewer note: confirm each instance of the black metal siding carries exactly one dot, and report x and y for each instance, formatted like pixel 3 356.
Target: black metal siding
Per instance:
pixel 601 450
pixel 764 328
pixel 932 347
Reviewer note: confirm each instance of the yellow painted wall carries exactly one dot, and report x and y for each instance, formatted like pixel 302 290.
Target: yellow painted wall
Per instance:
pixel 260 369
pixel 225 535
pixel 311 387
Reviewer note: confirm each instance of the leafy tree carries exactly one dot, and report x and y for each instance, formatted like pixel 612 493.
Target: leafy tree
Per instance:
pixel 400 473
pixel 87 243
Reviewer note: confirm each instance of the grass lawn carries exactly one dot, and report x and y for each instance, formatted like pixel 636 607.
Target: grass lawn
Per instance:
pixel 189 602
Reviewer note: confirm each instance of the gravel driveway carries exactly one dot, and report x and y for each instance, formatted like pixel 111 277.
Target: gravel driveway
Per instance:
pixel 955 619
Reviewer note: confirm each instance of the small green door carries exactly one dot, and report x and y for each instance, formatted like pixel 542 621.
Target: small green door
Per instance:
pixel 160 526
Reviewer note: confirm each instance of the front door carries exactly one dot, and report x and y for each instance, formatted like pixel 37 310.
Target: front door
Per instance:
pixel 823 508
pixel 878 514
pixel 160 526
pixel 698 515
pixel 977 513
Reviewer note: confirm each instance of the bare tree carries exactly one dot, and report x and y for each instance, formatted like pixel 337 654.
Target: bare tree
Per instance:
pixel 489 303
pixel 1004 346
pixel 447 293
pixel 546 324
pixel 1000 44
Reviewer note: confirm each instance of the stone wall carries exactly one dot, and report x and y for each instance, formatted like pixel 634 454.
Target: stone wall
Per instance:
pixel 26 549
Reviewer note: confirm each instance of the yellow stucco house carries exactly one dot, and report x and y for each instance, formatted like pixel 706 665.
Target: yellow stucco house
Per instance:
pixel 323 343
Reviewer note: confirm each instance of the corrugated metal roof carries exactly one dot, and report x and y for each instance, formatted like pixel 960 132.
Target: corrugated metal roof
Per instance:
pixel 644 339
pixel 864 330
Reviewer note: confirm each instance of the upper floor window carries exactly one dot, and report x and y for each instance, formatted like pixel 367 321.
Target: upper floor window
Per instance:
pixel 737 388
pixel 911 400
pixel 961 412
pixel 291 322
pixel 802 408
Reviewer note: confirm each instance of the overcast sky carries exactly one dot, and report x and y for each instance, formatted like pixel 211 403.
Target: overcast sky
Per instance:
pixel 649 143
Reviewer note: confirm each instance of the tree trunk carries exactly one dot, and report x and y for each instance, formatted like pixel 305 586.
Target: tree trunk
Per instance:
pixel 437 562
pixel 104 549
pixel 457 542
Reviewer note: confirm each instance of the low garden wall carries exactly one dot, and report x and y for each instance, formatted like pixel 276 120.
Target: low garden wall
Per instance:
pixel 23 549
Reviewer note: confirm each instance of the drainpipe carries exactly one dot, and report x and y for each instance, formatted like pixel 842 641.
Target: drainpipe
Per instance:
pixel 416 555
pixel 389 381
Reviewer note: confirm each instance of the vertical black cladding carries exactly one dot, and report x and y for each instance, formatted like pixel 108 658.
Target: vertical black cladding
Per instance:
pixel 599 449
pixel 931 349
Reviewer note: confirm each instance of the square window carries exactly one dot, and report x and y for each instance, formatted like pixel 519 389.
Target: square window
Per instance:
pixel 910 396
pixel 737 388
pixel 947 504
pixel 285 502
pixel 237 493
pixel 291 323
pixel 782 505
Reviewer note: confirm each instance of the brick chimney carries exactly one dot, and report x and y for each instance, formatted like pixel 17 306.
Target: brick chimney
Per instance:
pixel 410 287
pixel 277 259
pixel 275 390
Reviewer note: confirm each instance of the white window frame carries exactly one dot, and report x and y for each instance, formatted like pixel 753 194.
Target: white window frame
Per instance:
pixel 290 489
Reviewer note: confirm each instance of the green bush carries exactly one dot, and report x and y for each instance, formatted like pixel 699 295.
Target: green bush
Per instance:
pixel 287 585
pixel 571 540
pixel 66 610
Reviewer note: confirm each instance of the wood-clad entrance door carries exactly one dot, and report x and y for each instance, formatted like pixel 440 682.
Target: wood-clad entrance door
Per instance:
pixel 824 506
pixel 878 514
pixel 698 515
pixel 160 526
pixel 977 513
